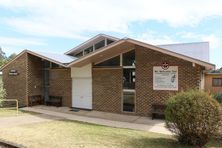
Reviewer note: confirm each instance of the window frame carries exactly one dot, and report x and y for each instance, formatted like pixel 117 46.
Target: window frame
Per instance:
pixel 128 90
pixel 218 84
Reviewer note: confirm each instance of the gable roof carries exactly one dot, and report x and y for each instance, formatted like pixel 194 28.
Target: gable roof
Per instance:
pixel 136 42
pixel 60 59
pixel 91 41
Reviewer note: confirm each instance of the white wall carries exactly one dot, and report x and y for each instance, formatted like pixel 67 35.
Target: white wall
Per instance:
pixel 82 72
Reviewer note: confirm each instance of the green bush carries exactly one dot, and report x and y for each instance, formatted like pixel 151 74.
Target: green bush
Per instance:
pixel 218 97
pixel 2 93
pixel 194 116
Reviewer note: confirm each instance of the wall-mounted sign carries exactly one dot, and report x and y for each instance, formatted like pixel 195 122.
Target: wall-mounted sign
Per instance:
pixel 165 65
pixel 165 79
pixel 13 72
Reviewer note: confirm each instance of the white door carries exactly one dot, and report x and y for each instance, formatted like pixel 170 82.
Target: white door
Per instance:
pixel 82 93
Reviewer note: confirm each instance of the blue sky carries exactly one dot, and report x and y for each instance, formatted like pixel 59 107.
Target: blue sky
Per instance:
pixel 57 26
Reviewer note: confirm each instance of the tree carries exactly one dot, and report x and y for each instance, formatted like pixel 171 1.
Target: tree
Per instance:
pixel 12 56
pixel 2 93
pixel 3 58
pixel 2 54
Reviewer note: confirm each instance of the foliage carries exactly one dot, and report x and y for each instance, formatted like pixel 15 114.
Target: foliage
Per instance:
pixel 194 116
pixel 218 97
pixel 4 59
pixel 12 56
pixel 2 93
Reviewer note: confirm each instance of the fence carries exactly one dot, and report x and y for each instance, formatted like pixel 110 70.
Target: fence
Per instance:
pixel 11 100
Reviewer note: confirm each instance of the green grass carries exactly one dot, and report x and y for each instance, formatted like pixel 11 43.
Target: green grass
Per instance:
pixel 67 133
pixel 12 112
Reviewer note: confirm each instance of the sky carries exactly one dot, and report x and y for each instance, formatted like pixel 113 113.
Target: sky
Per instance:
pixel 59 25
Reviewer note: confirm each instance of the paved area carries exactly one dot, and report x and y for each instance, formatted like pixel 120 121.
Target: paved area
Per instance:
pixel 26 119
pixel 102 118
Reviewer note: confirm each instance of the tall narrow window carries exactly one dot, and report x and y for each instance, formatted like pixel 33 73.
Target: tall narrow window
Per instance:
pixel 129 58
pixel 128 101
pixel 129 78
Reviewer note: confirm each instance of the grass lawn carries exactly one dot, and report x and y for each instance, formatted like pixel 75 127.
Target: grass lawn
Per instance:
pixel 12 112
pixel 65 133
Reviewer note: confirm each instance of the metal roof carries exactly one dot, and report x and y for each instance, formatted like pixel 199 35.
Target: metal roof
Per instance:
pixel 197 50
pixel 92 40
pixel 62 58
pixel 156 48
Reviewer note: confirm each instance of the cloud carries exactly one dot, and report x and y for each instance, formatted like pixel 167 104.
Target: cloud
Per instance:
pixel 155 38
pixel 15 45
pixel 74 18
pixel 11 49
pixel 8 41
pixel 213 39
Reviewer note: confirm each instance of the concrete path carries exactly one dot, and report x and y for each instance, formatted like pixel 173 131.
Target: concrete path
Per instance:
pixel 107 119
pixel 26 119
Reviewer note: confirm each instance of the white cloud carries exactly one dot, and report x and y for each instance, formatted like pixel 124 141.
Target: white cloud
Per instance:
pixel 71 18
pixel 11 49
pixel 15 45
pixel 154 38
pixel 211 38
pixel 8 41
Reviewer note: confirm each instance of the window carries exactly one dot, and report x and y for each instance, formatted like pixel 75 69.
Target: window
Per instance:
pixel 88 50
pixel 129 78
pixel 111 62
pixel 129 58
pixel 100 44
pixel 79 54
pixel 129 101
pixel 109 41
pixel 46 64
pixel 54 65
pixel 217 82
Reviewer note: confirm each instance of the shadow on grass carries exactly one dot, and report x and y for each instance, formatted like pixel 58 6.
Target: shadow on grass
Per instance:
pixel 157 143
pixel 168 143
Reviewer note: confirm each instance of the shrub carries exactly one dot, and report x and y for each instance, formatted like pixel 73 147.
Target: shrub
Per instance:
pixel 218 97
pixel 2 93
pixel 194 116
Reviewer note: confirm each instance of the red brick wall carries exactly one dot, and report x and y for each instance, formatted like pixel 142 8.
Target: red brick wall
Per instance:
pixel 189 77
pixel 61 85
pixel 107 89
pixel 16 85
pixel 107 83
pixel 35 76
pixel 30 80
